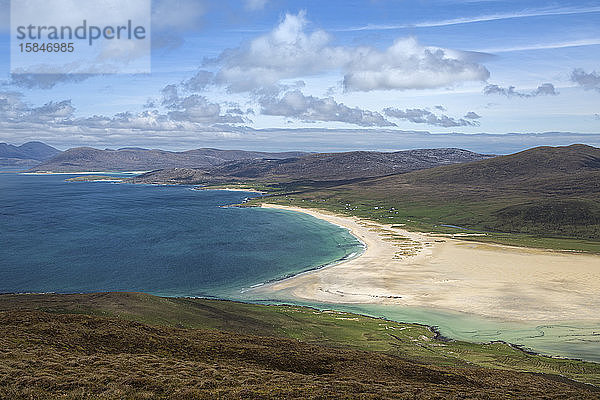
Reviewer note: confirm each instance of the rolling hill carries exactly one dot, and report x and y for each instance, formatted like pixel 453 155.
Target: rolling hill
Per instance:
pixel 25 155
pixel 322 167
pixel 137 346
pixel 81 159
pixel 548 191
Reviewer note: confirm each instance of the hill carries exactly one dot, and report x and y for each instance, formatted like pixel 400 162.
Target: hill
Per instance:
pixel 25 155
pixel 544 191
pixel 322 167
pixel 132 345
pixel 135 159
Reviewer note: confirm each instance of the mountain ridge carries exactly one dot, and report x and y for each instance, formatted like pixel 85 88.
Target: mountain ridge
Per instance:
pixel 26 155
pixel 316 167
pixel 550 191
pixel 80 159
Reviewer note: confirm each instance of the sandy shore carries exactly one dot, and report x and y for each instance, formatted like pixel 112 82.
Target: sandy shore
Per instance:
pixel 232 189
pixel 421 270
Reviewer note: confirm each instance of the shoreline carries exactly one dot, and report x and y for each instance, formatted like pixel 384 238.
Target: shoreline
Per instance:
pixel 84 173
pixel 230 189
pixel 420 270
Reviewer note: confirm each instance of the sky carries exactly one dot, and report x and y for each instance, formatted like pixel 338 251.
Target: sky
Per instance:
pixel 494 76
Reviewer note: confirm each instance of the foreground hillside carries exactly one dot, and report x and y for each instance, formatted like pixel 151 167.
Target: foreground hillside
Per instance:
pixel 119 345
pixel 321 167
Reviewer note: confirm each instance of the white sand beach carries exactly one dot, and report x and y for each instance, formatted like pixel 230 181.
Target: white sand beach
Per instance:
pixel 234 189
pixel 432 271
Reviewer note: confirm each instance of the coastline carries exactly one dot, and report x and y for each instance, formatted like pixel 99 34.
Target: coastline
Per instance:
pixel 84 173
pixel 420 270
pixel 231 189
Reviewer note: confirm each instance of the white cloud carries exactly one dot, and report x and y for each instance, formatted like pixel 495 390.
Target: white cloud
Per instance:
pixel 285 52
pixel 472 115
pixel 588 81
pixel 289 51
pixel 294 104
pixel 199 82
pixel 14 109
pixel 422 116
pixel 408 65
pixel 545 89
pixel 198 109
pixel 195 108
pixel 186 113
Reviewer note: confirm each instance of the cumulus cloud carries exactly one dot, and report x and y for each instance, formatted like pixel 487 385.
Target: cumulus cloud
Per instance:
pixel 198 109
pixel 199 81
pixel 409 65
pixel 422 116
pixel 588 81
pixel 195 108
pixel 290 51
pixel 472 115
pixel 11 105
pixel 285 52
pixel 52 111
pixel 188 113
pixel 545 89
pixel 128 121
pixel 294 104
pixel 14 109
pixel 170 96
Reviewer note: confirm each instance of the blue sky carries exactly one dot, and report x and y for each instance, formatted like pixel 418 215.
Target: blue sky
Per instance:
pixel 334 75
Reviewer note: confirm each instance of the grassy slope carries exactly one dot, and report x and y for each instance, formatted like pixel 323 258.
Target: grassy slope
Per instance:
pixel 413 343
pixel 543 197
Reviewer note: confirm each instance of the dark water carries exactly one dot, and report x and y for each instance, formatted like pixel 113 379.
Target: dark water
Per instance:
pixel 166 240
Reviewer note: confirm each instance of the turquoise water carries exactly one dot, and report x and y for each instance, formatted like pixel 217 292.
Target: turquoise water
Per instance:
pixel 573 339
pixel 57 236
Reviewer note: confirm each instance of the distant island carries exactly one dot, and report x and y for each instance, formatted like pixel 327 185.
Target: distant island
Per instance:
pixel 26 155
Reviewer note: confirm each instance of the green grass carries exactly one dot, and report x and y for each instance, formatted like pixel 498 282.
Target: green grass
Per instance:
pixel 91 178
pixel 250 186
pixel 413 342
pixel 429 216
pixel 72 356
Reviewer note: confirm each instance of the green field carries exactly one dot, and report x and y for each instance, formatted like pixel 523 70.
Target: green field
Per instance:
pixel 410 342
pixel 545 197
pixel 426 217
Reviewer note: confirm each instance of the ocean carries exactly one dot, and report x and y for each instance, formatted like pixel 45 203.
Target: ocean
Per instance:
pixel 67 237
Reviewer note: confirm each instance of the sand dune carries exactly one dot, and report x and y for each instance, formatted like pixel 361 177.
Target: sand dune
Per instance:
pixel 432 271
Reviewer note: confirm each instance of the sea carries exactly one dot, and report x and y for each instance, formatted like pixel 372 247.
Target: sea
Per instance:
pixel 80 237
pixel 72 237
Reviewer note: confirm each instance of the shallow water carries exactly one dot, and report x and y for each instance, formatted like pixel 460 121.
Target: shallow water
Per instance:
pixel 572 339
